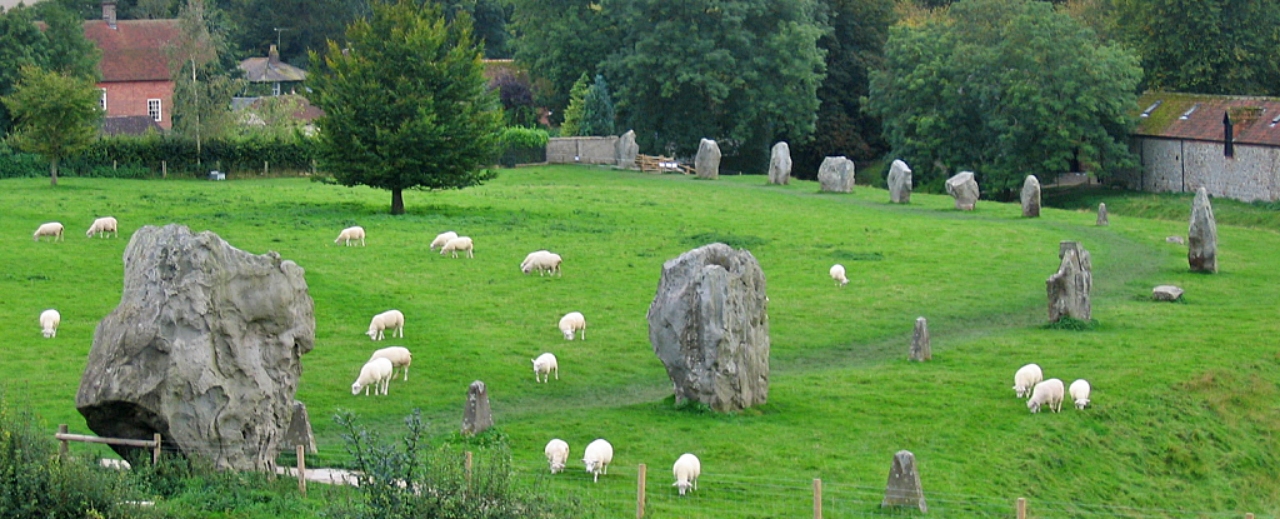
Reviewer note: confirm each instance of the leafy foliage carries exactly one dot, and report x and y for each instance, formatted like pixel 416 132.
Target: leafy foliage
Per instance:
pixel 201 99
pixel 304 26
pixel 516 96
pixel 597 110
pixel 56 115
pixel 573 113
pixel 560 40
pixel 61 47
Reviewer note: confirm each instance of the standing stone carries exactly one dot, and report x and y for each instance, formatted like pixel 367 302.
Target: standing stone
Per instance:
pixel 1069 288
pixel 1166 293
pixel 835 175
pixel 899 183
pixel 1102 215
pixel 920 349
pixel 299 431
pixel 1202 253
pixel 1031 197
pixel 780 164
pixel 709 325
pixel 477 417
pixel 904 487
pixel 964 189
pixel 205 348
pixel 627 149
pixel 707 162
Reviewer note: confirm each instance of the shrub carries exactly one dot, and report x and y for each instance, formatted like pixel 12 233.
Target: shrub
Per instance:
pixel 17 165
pixel 523 146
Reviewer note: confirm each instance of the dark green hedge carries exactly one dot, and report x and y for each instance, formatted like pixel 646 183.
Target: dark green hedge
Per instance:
pixel 118 154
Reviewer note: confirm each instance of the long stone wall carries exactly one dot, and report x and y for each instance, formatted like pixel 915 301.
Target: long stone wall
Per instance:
pixel 583 150
pixel 1171 165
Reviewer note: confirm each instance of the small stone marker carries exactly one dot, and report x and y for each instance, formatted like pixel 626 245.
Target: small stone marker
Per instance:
pixel 299 431
pixel 627 149
pixel 780 164
pixel 1175 239
pixel 964 189
pixel 1031 197
pixel 1202 253
pixel 1166 293
pixel 1069 288
pixel 835 175
pixel 1102 215
pixel 904 483
pixel 899 183
pixel 920 349
pixel 477 417
pixel 707 162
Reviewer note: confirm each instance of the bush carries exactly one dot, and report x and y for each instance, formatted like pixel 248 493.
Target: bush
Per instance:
pixel 18 165
pixel 134 154
pixel 523 146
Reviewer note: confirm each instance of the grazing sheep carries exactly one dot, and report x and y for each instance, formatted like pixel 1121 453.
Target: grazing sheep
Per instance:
pixel 1048 393
pixel 49 321
pixel 543 366
pixel 53 229
pixel 461 243
pixel 351 234
pixel 389 320
pixel 102 227
pixel 597 458
pixel 572 322
pixel 1080 393
pixel 686 470
pixel 375 373
pixel 557 452
pixel 442 239
pixel 399 357
pixel 1026 378
pixel 837 273
pixel 542 261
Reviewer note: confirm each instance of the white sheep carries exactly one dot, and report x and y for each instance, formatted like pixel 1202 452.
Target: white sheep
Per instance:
pixel 49 321
pixel 597 458
pixel 1026 378
pixel 1080 393
pixel 389 320
pixel 375 373
pixel 351 234
pixel 48 229
pixel 456 245
pixel 1047 393
pixel 542 261
pixel 543 366
pixel 572 322
pixel 102 227
pixel 837 273
pixel 687 469
pixel 557 452
pixel 442 239
pixel 399 357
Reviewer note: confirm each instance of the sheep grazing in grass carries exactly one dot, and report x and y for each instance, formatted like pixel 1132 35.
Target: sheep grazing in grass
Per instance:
pixel 456 245
pixel 597 458
pixel 686 470
pixel 376 374
pixel 442 239
pixel 399 357
pixel 389 320
pixel 1080 393
pixel 1048 393
pixel 351 234
pixel 557 452
pixel 837 273
pixel 102 227
pixel 542 261
pixel 49 321
pixel 1025 379
pixel 543 366
pixel 53 229
pixel 573 322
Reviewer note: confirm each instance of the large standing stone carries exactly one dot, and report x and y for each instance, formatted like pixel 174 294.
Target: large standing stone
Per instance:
pixel 205 348
pixel 1069 288
pixel 709 324
pixel 477 417
pixel 920 348
pixel 899 183
pixel 1031 197
pixel 780 164
pixel 904 487
pixel 627 149
pixel 1103 221
pixel 835 175
pixel 707 162
pixel 1202 252
pixel 964 189
pixel 299 431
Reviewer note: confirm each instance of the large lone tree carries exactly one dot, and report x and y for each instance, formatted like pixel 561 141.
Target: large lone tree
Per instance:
pixel 56 114
pixel 406 103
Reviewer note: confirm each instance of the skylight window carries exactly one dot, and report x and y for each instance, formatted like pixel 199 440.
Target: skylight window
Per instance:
pixel 1275 121
pixel 1189 111
pixel 1147 113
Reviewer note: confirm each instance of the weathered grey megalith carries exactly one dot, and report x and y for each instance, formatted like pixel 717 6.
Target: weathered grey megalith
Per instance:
pixel 709 325
pixel 1031 197
pixel 707 162
pixel 1103 220
pixel 899 181
pixel 477 417
pixel 627 149
pixel 205 348
pixel 1202 250
pixel 835 175
pixel 1166 293
pixel 1069 288
pixel 920 348
pixel 904 483
pixel 964 189
pixel 780 164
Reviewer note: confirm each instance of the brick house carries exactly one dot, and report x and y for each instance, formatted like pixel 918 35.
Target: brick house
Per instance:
pixel 136 82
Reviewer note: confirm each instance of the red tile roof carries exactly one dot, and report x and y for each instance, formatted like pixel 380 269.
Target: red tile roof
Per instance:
pixel 134 50
pixel 1256 120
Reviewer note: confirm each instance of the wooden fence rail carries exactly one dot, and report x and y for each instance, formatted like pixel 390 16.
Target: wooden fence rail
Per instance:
pixel 64 437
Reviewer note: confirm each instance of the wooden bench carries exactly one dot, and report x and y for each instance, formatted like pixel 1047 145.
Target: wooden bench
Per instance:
pixel 660 164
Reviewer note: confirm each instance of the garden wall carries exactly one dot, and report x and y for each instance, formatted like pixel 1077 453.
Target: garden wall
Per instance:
pixel 583 150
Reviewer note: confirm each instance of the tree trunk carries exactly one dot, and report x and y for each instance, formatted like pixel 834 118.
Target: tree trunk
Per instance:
pixel 53 172
pixel 397 201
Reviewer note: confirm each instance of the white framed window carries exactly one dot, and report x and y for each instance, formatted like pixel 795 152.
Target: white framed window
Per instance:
pixel 153 109
pixel 104 99
pixel 275 89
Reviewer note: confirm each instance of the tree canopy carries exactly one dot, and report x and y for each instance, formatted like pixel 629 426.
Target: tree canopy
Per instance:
pixel 61 47
pixel 559 40
pixel 406 103
pixel 597 110
pixel 55 114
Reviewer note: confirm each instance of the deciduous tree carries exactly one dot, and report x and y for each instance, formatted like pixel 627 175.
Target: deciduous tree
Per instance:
pixel 559 40
pixel 55 114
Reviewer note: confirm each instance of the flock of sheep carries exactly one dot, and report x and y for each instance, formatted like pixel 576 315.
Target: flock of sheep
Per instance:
pixel 1029 383
pixel 50 319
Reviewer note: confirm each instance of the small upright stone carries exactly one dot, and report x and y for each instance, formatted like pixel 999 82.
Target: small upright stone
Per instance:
pixel 920 349
pixel 899 183
pixel 1166 293
pixel 836 175
pixel 299 431
pixel 904 487
pixel 780 164
pixel 1031 197
pixel 707 162
pixel 477 417
pixel 627 149
pixel 964 189
pixel 1202 253
pixel 1102 215
pixel 1069 288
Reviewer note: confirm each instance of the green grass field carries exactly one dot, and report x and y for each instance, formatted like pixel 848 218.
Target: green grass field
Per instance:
pixel 1185 415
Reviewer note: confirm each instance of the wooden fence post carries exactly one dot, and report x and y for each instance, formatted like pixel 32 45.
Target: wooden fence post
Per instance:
pixel 1022 508
pixel 164 169
pixel 640 481
pixel 817 498
pixel 155 454
pixel 302 469
pixel 62 448
pixel 266 168
pixel 115 164
pixel 467 464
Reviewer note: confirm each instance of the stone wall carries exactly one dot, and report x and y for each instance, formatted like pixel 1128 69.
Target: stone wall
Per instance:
pixel 583 150
pixel 1171 165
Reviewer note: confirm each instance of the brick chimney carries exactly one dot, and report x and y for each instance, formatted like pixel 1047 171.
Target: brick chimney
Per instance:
pixel 109 13
pixel 273 56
